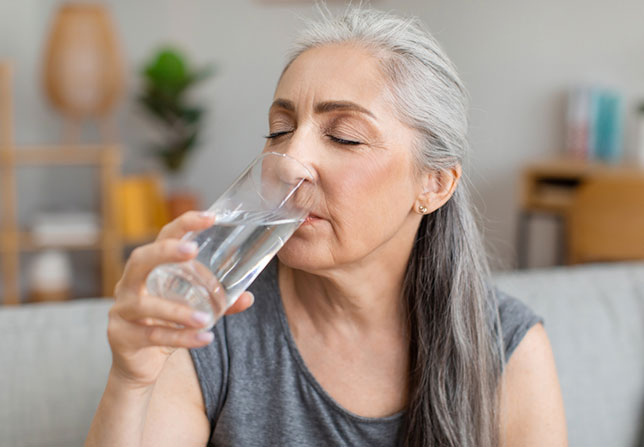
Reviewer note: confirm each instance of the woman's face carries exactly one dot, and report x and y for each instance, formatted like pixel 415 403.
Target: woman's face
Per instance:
pixel 330 112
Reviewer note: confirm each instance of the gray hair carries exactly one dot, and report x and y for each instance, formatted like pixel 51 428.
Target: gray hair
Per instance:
pixel 456 356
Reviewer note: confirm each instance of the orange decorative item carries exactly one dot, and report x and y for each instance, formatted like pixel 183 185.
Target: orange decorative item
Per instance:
pixel 83 70
pixel 143 210
pixel 180 202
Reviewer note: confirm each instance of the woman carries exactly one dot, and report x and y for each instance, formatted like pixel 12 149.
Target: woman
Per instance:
pixel 376 324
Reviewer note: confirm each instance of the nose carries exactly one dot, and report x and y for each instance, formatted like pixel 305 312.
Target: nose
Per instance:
pixel 294 167
pixel 300 152
pixel 285 179
pixel 286 169
pixel 300 174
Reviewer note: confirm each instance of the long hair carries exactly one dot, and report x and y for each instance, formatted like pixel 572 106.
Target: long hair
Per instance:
pixel 455 355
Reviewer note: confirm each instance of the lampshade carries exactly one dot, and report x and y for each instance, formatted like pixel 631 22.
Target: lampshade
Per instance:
pixel 83 70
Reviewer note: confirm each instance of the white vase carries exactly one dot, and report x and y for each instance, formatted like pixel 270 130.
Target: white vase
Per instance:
pixel 50 276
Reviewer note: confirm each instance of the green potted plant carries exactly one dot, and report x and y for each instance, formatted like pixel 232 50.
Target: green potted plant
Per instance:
pixel 167 81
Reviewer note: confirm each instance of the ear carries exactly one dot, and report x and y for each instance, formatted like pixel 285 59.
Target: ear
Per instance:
pixel 437 188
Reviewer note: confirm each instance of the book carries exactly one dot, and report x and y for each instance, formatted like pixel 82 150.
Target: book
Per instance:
pixel 594 124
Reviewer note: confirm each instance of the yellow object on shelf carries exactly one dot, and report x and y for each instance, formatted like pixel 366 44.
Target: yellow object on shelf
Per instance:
pixel 142 208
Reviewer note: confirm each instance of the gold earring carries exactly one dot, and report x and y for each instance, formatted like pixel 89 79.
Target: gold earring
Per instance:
pixel 422 209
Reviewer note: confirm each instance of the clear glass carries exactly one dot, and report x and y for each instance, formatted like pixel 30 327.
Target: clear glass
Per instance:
pixel 253 219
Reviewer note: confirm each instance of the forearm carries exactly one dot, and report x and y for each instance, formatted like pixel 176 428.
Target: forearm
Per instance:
pixel 120 416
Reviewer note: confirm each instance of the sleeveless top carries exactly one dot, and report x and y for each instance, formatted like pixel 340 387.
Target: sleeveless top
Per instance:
pixel 258 391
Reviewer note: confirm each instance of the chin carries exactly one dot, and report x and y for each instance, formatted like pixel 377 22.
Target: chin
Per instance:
pixel 302 255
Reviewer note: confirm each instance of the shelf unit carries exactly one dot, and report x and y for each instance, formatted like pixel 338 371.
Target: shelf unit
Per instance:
pixel 106 158
pixel 550 188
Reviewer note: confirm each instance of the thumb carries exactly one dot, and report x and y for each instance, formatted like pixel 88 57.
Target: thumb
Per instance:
pixel 242 303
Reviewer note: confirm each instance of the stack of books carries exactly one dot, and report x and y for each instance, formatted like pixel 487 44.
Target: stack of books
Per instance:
pixel 594 124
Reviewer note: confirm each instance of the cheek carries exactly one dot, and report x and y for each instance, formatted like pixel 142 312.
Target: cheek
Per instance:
pixel 369 200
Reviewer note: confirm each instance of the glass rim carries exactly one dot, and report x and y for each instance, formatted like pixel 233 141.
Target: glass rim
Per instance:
pixel 279 154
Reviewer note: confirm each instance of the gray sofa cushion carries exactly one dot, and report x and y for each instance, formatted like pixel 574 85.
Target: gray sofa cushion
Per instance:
pixel 594 316
pixel 54 365
pixel 54 358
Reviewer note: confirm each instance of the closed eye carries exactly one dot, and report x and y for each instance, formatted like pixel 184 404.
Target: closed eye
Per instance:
pixel 343 141
pixel 274 135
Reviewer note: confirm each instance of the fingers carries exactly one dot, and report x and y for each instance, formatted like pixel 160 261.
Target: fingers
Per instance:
pixel 146 257
pixel 152 310
pixel 138 321
pixel 242 303
pixel 156 335
pixel 142 321
pixel 127 336
pixel 188 221
pixel 174 338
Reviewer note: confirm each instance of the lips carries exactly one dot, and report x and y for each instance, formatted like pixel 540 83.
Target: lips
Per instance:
pixel 311 218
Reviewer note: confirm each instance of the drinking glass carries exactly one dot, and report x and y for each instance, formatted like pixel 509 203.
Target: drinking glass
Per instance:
pixel 254 217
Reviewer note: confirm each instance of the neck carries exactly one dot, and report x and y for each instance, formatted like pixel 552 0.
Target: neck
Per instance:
pixel 359 297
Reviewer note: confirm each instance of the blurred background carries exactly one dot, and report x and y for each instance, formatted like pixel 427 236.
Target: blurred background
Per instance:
pixel 534 72
pixel 117 115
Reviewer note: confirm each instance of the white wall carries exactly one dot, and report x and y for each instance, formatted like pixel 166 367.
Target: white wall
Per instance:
pixel 515 57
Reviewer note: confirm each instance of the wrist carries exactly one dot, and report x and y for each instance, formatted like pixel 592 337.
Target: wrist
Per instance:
pixel 123 381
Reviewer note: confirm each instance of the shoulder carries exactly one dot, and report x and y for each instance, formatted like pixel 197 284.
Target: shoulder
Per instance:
pixel 531 405
pixel 530 392
pixel 516 320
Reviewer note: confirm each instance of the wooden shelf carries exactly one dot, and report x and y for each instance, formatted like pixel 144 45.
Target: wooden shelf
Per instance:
pixel 56 155
pixel 551 187
pixel 552 202
pixel 13 240
pixel 28 243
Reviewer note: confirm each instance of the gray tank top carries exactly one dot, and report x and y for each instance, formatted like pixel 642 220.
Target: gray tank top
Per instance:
pixel 258 391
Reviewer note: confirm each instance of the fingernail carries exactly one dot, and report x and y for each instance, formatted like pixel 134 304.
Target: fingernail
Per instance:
pixel 205 336
pixel 200 317
pixel 252 298
pixel 188 247
pixel 207 214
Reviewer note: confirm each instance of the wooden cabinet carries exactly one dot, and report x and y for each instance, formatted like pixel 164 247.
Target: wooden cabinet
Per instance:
pixel 578 195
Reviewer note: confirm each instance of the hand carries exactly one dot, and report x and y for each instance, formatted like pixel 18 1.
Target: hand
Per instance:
pixel 143 330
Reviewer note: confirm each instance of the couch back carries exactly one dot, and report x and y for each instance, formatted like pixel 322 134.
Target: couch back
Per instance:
pixel 594 317
pixel 54 361
pixel 54 358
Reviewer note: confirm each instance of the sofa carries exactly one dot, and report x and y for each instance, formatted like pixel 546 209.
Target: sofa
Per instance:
pixel 54 358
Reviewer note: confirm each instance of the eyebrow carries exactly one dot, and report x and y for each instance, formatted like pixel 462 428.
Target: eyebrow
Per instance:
pixel 324 107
